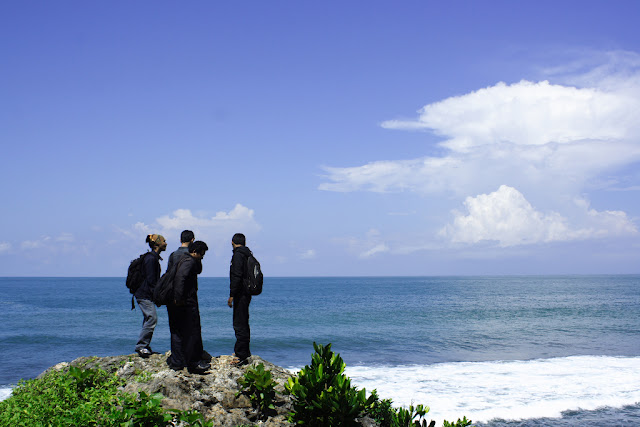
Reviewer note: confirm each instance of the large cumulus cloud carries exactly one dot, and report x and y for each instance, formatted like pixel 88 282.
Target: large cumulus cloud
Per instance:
pixel 549 140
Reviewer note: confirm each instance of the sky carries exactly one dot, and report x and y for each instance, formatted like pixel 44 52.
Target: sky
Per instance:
pixel 364 138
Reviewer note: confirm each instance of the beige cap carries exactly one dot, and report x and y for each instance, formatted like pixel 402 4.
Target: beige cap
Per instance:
pixel 158 239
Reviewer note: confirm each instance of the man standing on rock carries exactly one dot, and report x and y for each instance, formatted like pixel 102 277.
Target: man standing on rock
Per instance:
pixel 184 313
pixel 239 299
pixel 186 237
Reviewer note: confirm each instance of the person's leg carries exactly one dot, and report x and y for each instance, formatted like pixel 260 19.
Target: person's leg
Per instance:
pixel 176 327
pixel 241 326
pixel 149 321
pixel 193 342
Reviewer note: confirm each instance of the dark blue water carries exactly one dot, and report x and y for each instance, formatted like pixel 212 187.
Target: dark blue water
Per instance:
pixel 424 330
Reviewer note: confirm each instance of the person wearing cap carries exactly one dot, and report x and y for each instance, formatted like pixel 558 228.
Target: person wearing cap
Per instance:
pixel 144 294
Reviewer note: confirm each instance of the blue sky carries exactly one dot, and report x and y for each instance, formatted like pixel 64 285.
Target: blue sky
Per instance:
pixel 343 138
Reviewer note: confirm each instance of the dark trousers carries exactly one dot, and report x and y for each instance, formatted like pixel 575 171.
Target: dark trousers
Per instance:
pixel 241 326
pixel 186 335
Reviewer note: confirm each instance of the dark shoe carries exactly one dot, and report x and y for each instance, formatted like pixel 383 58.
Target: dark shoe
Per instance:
pixel 206 356
pixel 200 368
pixel 174 367
pixel 143 352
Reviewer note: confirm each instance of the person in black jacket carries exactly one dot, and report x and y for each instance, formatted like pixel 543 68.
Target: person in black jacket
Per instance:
pixel 239 299
pixel 186 238
pixel 184 313
pixel 144 294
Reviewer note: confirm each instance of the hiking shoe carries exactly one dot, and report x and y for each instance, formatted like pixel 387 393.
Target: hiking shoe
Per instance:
pixel 200 368
pixel 143 352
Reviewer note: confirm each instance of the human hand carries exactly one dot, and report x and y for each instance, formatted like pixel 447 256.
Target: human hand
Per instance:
pixel 230 302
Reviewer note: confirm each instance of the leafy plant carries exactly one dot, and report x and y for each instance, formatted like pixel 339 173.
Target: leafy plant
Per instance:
pixel 407 417
pixel 322 395
pixel 464 422
pixel 381 410
pixel 143 376
pixel 86 397
pixel 76 397
pixel 259 385
pixel 144 410
pixel 193 418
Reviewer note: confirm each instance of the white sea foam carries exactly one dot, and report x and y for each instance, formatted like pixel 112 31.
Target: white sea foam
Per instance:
pixel 4 393
pixel 511 390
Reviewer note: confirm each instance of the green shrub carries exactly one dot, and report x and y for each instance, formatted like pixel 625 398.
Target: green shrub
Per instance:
pixel 381 411
pixel 144 411
pixel 86 397
pixel 322 395
pixel 76 397
pixel 259 385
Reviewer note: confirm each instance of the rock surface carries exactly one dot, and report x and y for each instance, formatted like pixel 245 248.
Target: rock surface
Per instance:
pixel 213 394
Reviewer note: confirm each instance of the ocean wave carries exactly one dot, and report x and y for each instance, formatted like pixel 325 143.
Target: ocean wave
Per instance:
pixel 5 392
pixel 509 390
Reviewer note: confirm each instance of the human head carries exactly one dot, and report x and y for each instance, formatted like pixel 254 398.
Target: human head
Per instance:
pixel 198 247
pixel 156 240
pixel 187 236
pixel 239 239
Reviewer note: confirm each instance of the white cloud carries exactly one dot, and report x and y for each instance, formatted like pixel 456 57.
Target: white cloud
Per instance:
pixel 531 134
pixel 65 237
pixel 365 247
pixel 552 140
pixel 377 249
pixel 216 230
pixel 142 228
pixel 308 254
pixel 527 113
pixel 35 244
pixel 5 247
pixel 507 217
pixel 184 219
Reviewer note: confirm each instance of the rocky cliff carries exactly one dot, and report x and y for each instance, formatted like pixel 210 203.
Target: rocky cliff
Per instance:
pixel 212 394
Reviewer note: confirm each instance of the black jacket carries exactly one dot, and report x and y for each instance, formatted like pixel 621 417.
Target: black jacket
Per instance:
pixel 176 255
pixel 185 284
pixel 238 270
pixel 152 274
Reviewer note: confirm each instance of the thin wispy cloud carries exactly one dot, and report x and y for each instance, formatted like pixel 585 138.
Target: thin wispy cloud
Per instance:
pixel 308 254
pixel 5 247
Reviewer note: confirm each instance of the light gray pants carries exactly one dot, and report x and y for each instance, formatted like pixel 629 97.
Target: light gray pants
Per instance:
pixel 149 321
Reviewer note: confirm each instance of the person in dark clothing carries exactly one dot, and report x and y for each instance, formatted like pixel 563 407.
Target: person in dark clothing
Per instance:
pixel 184 313
pixel 144 294
pixel 186 237
pixel 239 299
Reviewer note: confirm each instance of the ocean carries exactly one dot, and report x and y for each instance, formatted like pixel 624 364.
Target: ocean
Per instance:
pixel 503 351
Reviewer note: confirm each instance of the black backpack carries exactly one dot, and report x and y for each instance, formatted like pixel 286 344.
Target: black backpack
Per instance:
pixel 135 275
pixel 254 278
pixel 163 292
